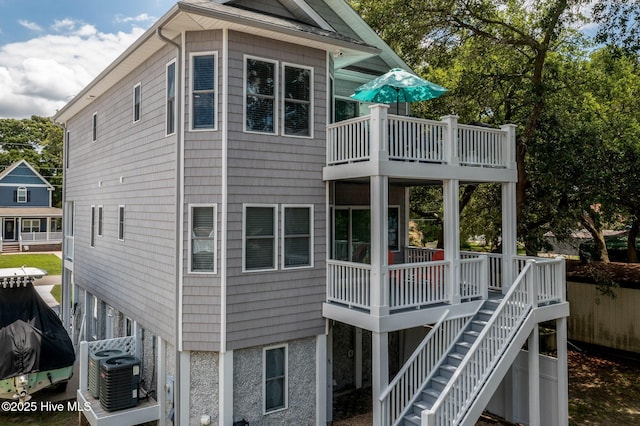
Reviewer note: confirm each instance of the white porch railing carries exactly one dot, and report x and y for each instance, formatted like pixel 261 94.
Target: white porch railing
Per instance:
pixel 418 140
pixel 417 284
pixel 41 236
pixel 348 141
pixel 473 277
pixel 404 388
pixel 349 283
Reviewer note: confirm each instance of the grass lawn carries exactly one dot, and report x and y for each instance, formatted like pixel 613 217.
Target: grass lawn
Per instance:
pixel 48 262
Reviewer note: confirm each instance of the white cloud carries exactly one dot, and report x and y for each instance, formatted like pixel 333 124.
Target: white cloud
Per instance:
pixel 30 25
pixel 38 76
pixel 143 17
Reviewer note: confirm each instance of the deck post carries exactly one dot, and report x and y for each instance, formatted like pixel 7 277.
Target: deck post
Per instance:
pixel 450 191
pixel 379 245
pixel 509 147
pixel 509 234
pixel 379 133
pixel 563 371
pixel 380 376
pixel 534 377
pixel 450 148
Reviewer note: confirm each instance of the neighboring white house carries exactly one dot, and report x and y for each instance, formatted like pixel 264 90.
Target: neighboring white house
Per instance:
pixel 237 222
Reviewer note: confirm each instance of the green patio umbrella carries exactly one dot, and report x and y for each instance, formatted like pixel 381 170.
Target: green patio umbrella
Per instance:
pixel 397 86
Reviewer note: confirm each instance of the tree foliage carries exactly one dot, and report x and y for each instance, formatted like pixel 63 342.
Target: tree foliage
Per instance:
pixel 38 141
pixel 524 62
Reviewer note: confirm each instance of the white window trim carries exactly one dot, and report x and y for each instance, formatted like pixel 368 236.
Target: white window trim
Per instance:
pixel 94 127
pixel 276 94
pixel 264 378
pixel 30 222
pixel 244 237
pixel 166 96
pixel 100 222
pixel 139 87
pixel 284 207
pixel 22 190
pixel 122 208
pixel 94 317
pixel 215 91
pixel 311 101
pixel 215 239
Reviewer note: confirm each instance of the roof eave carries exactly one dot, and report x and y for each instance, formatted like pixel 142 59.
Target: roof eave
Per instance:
pixel 345 52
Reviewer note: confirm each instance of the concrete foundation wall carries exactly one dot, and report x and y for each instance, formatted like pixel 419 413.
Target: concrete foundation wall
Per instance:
pixel 204 387
pixel 603 320
pixel 248 399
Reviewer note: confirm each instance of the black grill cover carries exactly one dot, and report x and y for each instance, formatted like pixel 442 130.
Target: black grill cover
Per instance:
pixel 32 337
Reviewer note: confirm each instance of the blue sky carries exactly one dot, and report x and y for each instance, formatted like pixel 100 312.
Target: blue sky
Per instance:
pixel 50 49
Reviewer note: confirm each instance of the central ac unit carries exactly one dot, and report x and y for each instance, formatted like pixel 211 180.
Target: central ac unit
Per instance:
pixel 119 379
pixel 94 368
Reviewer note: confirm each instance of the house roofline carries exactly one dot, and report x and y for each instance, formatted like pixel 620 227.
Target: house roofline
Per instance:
pixel 204 15
pixel 13 166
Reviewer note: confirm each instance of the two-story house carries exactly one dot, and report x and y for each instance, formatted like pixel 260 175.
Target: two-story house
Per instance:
pixel 245 222
pixel 29 221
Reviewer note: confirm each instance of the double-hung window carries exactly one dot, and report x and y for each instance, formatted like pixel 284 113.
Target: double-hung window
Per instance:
pixel 261 85
pixel 259 242
pixel 137 101
pixel 275 378
pixel 297 236
pixel 203 238
pixel 297 98
pixel 22 195
pixel 30 225
pixel 171 98
pixel 203 95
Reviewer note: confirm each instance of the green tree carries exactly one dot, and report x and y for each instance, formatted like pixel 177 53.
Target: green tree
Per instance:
pixel 38 141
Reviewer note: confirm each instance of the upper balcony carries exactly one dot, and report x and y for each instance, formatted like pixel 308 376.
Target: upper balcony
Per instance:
pixel 420 289
pixel 406 147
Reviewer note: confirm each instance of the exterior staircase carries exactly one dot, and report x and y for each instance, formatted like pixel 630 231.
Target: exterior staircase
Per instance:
pixel 452 375
pixel 445 372
pixel 10 247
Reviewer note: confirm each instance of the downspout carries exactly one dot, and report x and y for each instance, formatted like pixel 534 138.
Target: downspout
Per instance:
pixel 179 225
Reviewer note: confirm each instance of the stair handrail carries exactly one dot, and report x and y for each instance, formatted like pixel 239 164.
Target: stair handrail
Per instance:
pixel 394 415
pixel 430 415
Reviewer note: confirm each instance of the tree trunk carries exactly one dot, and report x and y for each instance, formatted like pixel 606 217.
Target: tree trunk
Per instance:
pixel 631 240
pixel 598 237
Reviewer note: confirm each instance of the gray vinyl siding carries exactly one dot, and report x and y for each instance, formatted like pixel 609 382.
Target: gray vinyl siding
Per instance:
pixel 131 164
pixel 268 307
pixel 202 185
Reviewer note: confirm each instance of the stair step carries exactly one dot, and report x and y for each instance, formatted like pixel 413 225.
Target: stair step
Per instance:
pixel 439 383
pixel 455 358
pixel 463 347
pixel 447 370
pixel 412 419
pixel 470 336
pixel 430 396
pixel 420 405
pixel 478 325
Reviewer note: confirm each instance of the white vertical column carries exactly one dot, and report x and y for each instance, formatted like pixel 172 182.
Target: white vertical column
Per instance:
pixel 509 147
pixel 509 234
pixel 450 148
pixel 379 134
pixel 380 376
pixel 450 190
pixel 225 388
pixel 534 378
pixel 321 380
pixel 563 372
pixel 379 245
